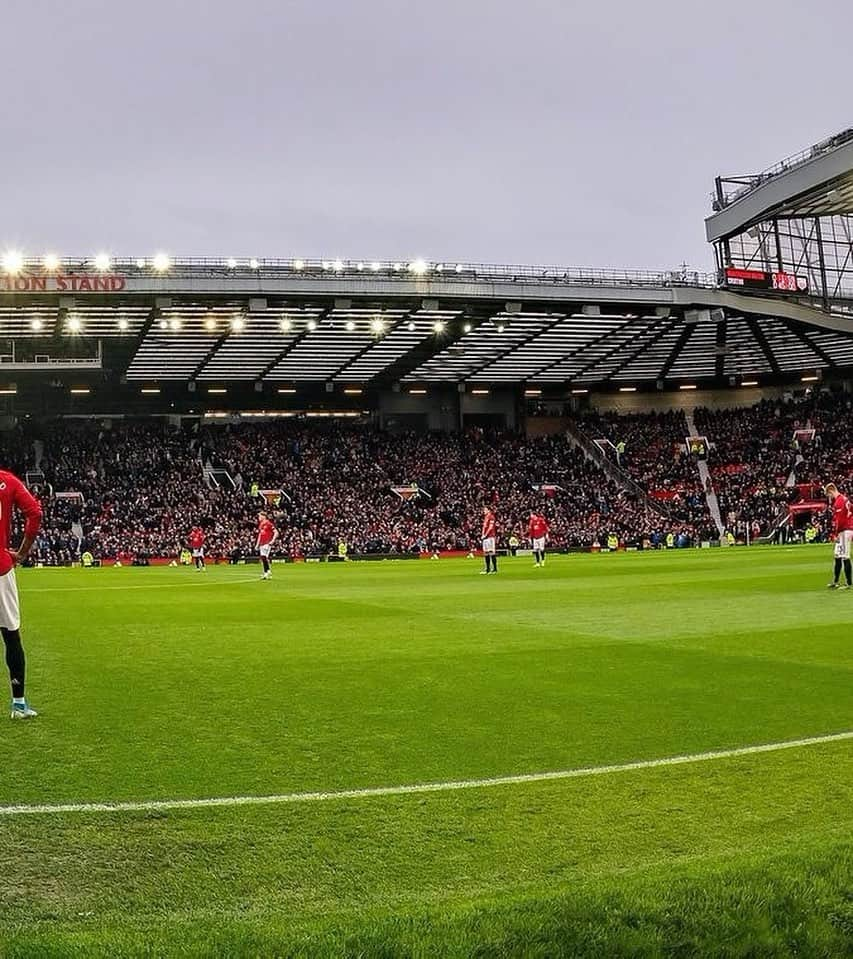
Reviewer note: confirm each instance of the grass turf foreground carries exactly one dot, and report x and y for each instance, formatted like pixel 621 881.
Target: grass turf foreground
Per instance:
pixel 167 684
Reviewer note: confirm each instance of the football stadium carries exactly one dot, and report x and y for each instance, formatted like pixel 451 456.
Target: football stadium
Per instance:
pixel 266 493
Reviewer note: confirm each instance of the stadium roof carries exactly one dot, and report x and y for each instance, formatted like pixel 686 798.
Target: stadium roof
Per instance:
pixel 378 324
pixel 817 182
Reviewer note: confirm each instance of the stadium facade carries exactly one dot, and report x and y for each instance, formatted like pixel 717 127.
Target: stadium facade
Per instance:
pixel 104 335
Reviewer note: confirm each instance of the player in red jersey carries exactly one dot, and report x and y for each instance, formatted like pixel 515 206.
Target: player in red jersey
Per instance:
pixel 489 534
pixel 267 535
pixel 842 527
pixel 13 494
pixel 537 530
pixel 196 540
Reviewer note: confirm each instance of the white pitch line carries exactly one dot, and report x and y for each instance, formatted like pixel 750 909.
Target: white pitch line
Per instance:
pixel 165 805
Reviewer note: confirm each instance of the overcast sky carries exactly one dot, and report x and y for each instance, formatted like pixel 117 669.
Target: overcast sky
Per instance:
pixel 534 131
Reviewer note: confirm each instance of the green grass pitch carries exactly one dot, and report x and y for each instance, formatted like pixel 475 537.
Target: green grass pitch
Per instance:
pixel 166 684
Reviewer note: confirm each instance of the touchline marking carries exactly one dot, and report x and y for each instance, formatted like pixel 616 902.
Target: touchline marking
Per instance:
pixel 165 805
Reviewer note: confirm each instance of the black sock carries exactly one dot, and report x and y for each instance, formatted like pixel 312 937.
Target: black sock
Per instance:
pixel 266 563
pixel 837 570
pixel 495 563
pixel 848 572
pixel 15 661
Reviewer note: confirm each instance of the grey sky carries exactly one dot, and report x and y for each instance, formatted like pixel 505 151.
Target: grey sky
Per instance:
pixel 531 131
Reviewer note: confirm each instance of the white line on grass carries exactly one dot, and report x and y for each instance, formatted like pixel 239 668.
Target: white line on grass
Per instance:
pixel 164 805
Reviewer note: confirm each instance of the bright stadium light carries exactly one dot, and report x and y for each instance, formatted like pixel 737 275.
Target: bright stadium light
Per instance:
pixel 102 262
pixel 311 324
pixel 231 263
pixel 376 266
pixel 299 264
pixel 285 325
pixel 398 267
pixel 327 264
pixel 467 328
pixel 417 391
pixel 687 386
pixel 809 379
pixel 8 390
pixel 501 327
pixel 377 326
pixel 418 267
pixel 533 392
pixel 411 327
pixel 123 324
pixel 479 392
pixel 359 266
pixel 627 389
pixel 36 324
pixel 73 324
pixel 210 323
pixel 749 383
pixel 286 389
pixel 12 262
pixel 237 323
pixel 216 389
pixel 174 324
pixel 350 326
pixel 164 323
pixel 161 262
pixel 439 267
pixel 459 267
pixel 253 264
pixel 80 390
pixel 140 263
pixel 51 262
pixel 150 389
pixel 338 266
pixel 579 392
pixel 439 326
pixel 353 391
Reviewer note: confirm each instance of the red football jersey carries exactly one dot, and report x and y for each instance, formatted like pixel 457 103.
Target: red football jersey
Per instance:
pixel 13 494
pixel 842 518
pixel 266 532
pixel 490 525
pixel 537 527
pixel 196 538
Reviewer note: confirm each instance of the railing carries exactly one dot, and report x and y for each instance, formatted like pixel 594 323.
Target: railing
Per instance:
pixel 403 269
pixel 750 182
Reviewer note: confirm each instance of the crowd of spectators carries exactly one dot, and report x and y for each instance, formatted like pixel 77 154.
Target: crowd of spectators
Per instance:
pixel 144 484
pixel 764 458
pixel 651 448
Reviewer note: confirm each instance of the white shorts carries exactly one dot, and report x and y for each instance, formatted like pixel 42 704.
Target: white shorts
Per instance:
pixel 842 544
pixel 539 544
pixel 198 553
pixel 10 614
pixel 265 550
pixel 489 545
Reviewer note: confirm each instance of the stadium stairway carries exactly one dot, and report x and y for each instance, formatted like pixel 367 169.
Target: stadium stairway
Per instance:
pixel 705 477
pixel 593 452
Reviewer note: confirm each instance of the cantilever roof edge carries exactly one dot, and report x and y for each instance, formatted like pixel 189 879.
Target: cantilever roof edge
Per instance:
pixel 779 194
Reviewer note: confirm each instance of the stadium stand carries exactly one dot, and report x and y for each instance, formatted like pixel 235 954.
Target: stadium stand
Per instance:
pixel 142 486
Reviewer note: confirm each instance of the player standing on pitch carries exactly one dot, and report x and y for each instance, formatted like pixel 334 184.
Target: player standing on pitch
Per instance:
pixel 537 530
pixel 196 539
pixel 489 532
pixel 14 494
pixel 842 526
pixel 267 535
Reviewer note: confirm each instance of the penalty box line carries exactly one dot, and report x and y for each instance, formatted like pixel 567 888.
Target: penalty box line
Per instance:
pixel 165 805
